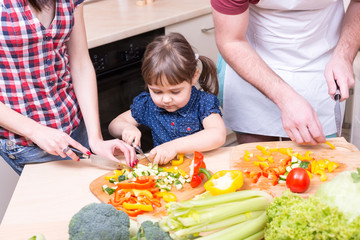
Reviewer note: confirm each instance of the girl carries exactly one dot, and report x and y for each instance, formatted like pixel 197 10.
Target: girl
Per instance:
pixel 48 86
pixel 182 118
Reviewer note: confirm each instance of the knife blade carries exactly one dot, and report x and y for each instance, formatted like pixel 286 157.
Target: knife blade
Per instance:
pixel 140 151
pixel 101 161
pixel 337 110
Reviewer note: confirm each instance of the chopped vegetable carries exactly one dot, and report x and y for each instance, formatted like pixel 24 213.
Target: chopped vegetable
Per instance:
pixel 197 168
pixel 179 161
pixel 330 144
pixel 224 181
pixel 167 196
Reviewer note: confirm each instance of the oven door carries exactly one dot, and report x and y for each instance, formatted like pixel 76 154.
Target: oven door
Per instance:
pixel 116 91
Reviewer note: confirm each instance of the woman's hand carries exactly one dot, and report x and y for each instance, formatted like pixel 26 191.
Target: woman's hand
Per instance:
pixel 56 142
pixel 163 153
pixel 115 147
pixel 131 135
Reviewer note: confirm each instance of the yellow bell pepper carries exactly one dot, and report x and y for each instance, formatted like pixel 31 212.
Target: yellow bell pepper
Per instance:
pixel 179 161
pixel 224 181
pixel 167 196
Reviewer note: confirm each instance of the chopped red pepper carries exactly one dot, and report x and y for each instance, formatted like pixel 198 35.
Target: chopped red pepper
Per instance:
pixel 140 183
pixel 195 181
pixel 198 170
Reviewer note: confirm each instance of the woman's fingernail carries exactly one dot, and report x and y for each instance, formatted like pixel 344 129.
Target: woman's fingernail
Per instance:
pixel 88 153
pixel 78 160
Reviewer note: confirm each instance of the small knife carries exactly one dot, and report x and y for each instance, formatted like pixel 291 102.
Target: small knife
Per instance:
pixel 140 151
pixel 337 110
pixel 101 161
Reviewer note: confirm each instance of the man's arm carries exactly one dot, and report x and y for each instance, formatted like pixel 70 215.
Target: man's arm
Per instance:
pixel 340 66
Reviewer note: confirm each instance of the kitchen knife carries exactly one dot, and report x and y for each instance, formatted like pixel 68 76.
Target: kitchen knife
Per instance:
pixel 140 151
pixel 101 161
pixel 337 110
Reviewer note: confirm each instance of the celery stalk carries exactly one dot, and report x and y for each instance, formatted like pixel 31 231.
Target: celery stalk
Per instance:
pixel 239 231
pixel 205 227
pixel 219 199
pixel 223 211
pixel 257 236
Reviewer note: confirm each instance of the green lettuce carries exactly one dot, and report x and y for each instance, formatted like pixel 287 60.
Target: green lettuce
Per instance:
pixel 293 217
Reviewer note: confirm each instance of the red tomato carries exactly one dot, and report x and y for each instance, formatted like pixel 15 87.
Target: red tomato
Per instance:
pixel 298 180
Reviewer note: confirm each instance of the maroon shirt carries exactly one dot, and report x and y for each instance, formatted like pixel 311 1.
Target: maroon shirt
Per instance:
pixel 232 7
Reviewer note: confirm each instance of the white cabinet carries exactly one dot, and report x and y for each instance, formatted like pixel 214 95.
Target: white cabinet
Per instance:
pixel 200 33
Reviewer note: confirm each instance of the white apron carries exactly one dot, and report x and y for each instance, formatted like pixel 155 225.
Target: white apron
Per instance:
pixel 296 39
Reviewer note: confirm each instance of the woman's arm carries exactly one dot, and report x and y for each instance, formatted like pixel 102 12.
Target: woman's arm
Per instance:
pixel 299 119
pixel 84 82
pixel 212 136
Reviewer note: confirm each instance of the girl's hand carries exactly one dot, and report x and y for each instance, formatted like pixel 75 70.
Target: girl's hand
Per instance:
pixel 56 142
pixel 115 147
pixel 162 154
pixel 131 135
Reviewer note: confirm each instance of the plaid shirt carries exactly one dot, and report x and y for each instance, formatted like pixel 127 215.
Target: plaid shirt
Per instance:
pixel 35 75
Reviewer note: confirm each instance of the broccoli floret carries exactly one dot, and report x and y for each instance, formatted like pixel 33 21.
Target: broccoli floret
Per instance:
pixel 99 221
pixel 151 231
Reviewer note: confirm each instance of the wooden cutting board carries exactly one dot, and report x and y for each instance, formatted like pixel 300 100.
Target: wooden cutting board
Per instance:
pixel 346 154
pixel 186 193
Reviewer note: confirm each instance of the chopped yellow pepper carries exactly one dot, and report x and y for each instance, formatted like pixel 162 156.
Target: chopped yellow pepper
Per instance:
pixel 167 196
pixel 330 144
pixel 264 150
pixel 140 206
pixel 261 164
pixel 117 173
pixel 224 181
pixel 142 192
pixel 179 161
pixel 247 155
pixel 331 166
pixel 261 158
pixel 307 155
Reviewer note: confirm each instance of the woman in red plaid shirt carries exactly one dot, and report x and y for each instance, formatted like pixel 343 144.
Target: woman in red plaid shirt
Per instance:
pixel 48 87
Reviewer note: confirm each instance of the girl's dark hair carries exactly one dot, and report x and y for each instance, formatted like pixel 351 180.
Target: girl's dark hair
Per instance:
pixel 40 4
pixel 171 58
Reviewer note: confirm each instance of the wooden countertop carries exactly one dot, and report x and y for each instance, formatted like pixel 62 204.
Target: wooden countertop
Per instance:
pixel 111 20
pixel 49 194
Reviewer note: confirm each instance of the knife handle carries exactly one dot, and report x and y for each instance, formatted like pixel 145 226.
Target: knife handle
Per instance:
pixel 78 152
pixel 337 95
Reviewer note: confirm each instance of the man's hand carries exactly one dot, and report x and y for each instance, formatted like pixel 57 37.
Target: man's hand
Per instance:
pixel 300 122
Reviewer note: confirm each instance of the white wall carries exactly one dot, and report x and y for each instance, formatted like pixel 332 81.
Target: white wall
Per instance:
pixel 8 181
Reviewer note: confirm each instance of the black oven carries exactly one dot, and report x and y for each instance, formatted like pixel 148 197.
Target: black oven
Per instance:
pixel 119 80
